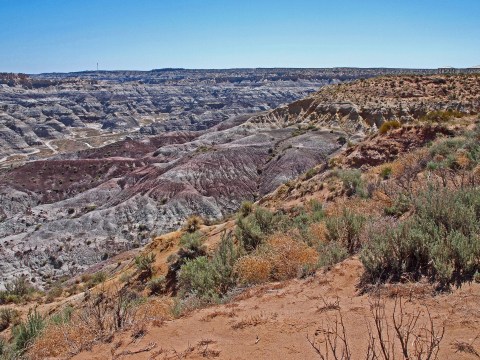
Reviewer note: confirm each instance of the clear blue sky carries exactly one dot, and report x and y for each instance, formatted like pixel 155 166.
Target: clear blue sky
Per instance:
pixel 72 35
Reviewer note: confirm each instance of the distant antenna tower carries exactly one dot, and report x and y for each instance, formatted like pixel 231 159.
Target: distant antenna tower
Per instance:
pixel 97 66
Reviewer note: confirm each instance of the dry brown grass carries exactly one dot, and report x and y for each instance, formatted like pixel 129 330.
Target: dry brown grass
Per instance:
pixel 100 316
pixel 63 340
pixel 281 258
pixel 250 321
pixel 288 257
pixel 219 313
pixel 253 269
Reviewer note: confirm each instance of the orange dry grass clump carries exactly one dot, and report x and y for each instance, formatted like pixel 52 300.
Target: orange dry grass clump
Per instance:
pixel 62 340
pixel 281 258
pixel 253 269
pixel 289 256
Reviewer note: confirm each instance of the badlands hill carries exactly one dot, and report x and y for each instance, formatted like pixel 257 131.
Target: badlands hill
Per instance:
pixel 360 239
pixel 65 213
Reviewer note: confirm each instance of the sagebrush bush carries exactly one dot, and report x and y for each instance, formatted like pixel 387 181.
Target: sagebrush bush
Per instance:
pixel 16 290
pixel 193 223
pixel 25 333
pixel 253 229
pixel 331 253
pixel 196 278
pixel 210 278
pixel 8 317
pixel 352 182
pixel 192 241
pixel 389 125
pixel 440 240
pixel 400 206
pixel 442 115
pixel 346 229
pixel 95 279
pixel 157 285
pixel 224 261
pixel 144 264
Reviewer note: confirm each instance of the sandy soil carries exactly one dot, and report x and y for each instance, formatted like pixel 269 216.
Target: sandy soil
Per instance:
pixel 273 321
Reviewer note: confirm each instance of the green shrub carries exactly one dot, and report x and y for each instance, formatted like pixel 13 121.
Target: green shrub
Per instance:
pixel 192 241
pixel 331 254
pixel 352 182
pixel 16 290
pixel 253 229
pixel 310 173
pixel 197 278
pixel 346 230
pixel 386 172
pixel 8 317
pixel 442 115
pixel 62 317
pixel 54 293
pixel 209 279
pixel 440 241
pixel 144 265
pixel 446 147
pixel 26 332
pixel 389 125
pixel 399 207
pixel 157 286
pixel 223 263
pixel 95 279
pixel 246 208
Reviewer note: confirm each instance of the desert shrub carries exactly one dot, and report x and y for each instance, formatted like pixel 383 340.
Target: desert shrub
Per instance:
pixel 197 278
pixel 310 173
pixel 400 206
pixel 386 172
pixel 16 290
pixel 246 208
pixel 25 333
pixel 280 258
pixel 192 241
pixel 352 182
pixel 157 285
pixel 62 317
pixel 253 269
pixel 54 293
pixel 253 229
pixel 210 278
pixel 223 263
pixel 346 229
pixel 101 314
pixel 144 264
pixel 442 115
pixel 8 317
pixel 440 241
pixel 192 248
pixel 193 223
pixel 331 253
pixel 304 219
pixel 95 279
pixel 389 125
pixel 446 147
